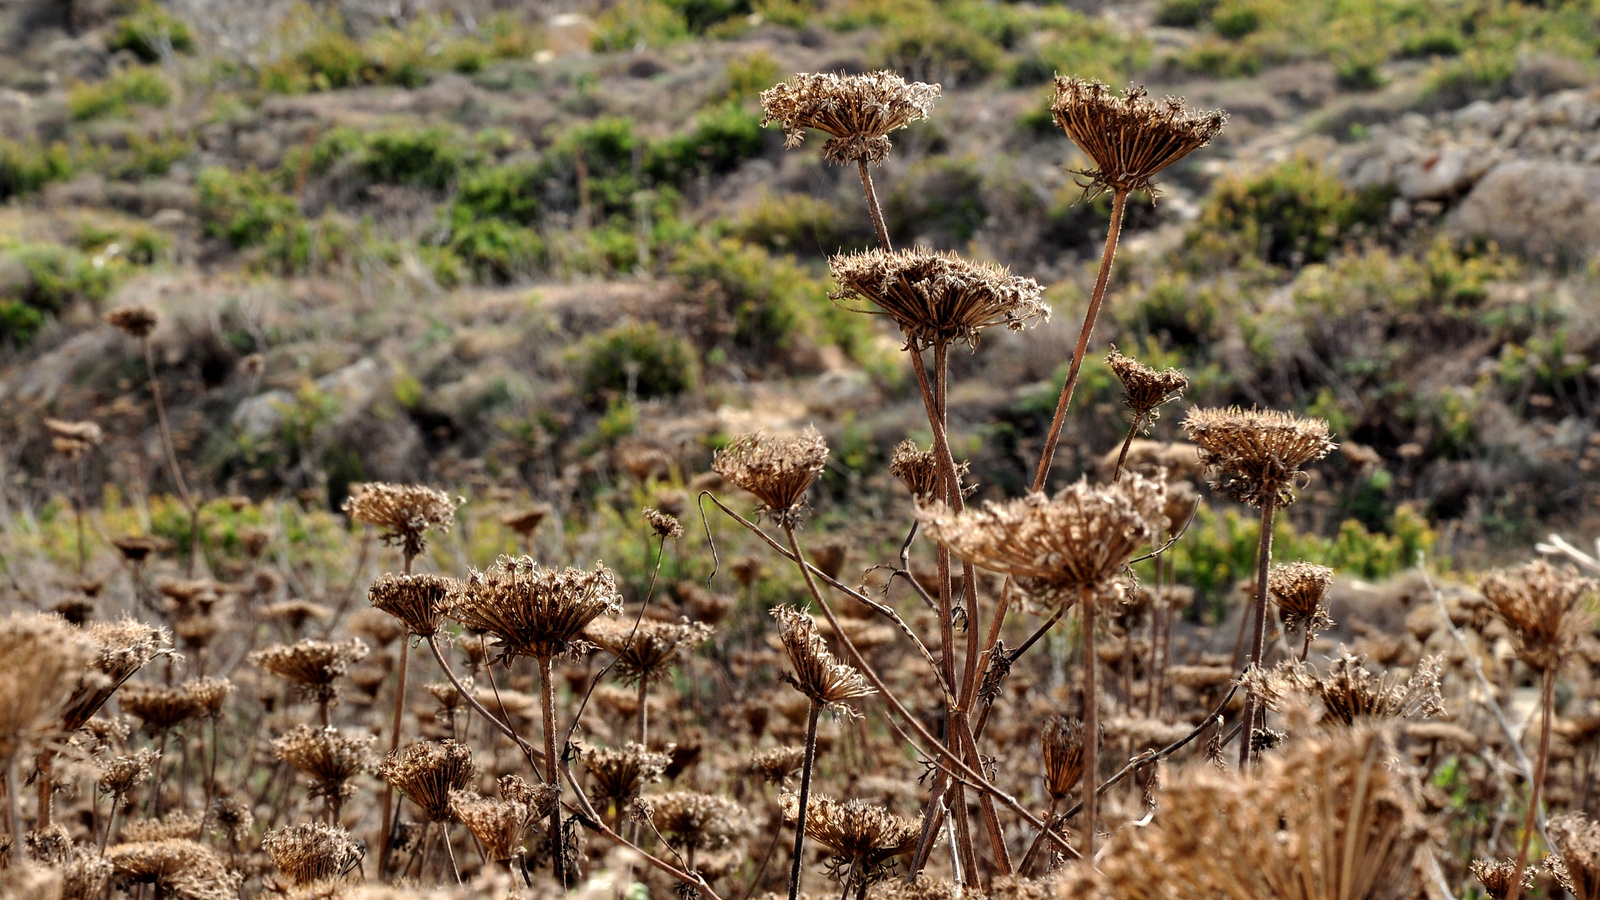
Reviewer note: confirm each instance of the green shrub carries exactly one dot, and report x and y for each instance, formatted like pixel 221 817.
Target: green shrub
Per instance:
pixel 56 277
pixel 1233 19
pixel 749 75
pixel 637 357
pixel 1221 59
pixel 940 198
pixel 141 86
pixel 509 192
pixel 754 294
pixel 798 223
pixel 150 157
pixel 331 61
pixel 638 24
pixel 1438 42
pixel 430 158
pixel 242 207
pixel 1292 214
pixel 26 167
pixel 146 31
pixel 607 147
pixel 497 252
pixel 1175 310
pixel 1184 13
pixel 938 49
pixel 700 16
pixel 720 140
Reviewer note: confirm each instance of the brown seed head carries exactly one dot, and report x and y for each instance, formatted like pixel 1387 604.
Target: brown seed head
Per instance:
pixel 312 851
pixel 210 694
pixel 1577 866
pixel 1301 590
pixel 778 763
pixel 777 470
pixel 859 111
pixel 646 651
pixel 312 665
pixel 233 818
pixel 403 513
pixel 662 524
pixel 818 674
pixel 136 548
pixel 1543 607
pixel 526 521
pixel 133 320
pixel 617 776
pixel 160 708
pixel 330 757
pixel 531 610
pixel 1144 390
pixel 1499 877
pixel 1129 138
pixel 698 821
pixel 1349 692
pixel 179 868
pixel 124 773
pixel 121 648
pixel 864 837
pixel 73 439
pixel 938 298
pixel 426 773
pixel 41 659
pixel 1055 546
pixel 176 825
pixel 501 826
pixel 918 470
pixel 1255 456
pixel 1061 746
pixel 416 600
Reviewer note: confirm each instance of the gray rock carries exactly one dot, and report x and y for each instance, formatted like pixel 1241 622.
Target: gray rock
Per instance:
pixel 1541 208
pixel 1444 175
pixel 259 416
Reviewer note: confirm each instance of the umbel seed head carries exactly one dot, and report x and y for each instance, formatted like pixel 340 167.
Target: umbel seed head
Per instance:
pixel 426 773
pixel 1129 138
pixel 938 298
pixel 312 851
pixel 73 439
pixel 1543 607
pixel 330 757
pixel 134 320
pixel 817 673
pixel 777 470
pixel 1145 390
pixel 1061 746
pixel 918 470
pixel 1499 876
pixel 403 513
pixel 1350 693
pixel 531 610
pixel 1255 456
pixel 1301 591
pixel 863 836
pixel 416 600
pixel 645 650
pixel 1577 867
pixel 859 111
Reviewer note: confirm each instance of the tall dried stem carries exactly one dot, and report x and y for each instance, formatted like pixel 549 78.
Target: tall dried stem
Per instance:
pixel 805 795
pixel 394 742
pixel 547 693
pixel 1258 632
pixel 1091 726
pixel 1547 703
pixel 172 456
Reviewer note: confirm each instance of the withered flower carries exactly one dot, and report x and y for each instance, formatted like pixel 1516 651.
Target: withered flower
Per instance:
pixel 778 763
pixel 1057 546
pixel 177 824
pixel 617 776
pixel 124 773
pixel 209 694
pixel 1543 607
pixel 938 298
pixel 73 439
pixel 134 320
pixel 1349 692
pixel 1255 456
pixel 1061 747
pixel 818 674
pixel 918 470
pixel 777 470
pixel 662 524
pixel 426 773
pixel 698 821
pixel 864 837
pixel 648 651
pixel 1301 591
pixel 859 111
pixel 501 826
pixel 531 610
pixel 41 659
pixel 1499 877
pixel 312 851
pixel 1577 866
pixel 329 756
pixel 1129 138
pixel 121 648
pixel 312 665
pixel 526 521
pixel 159 708
pixel 233 817
pixel 1145 390
pixel 137 548
pixel 403 513
pixel 416 600
pixel 179 868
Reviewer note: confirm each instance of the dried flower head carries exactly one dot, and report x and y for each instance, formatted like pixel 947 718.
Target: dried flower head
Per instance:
pixel 1349 692
pixel 1577 866
pixel 1543 607
pixel 648 650
pixel 697 821
pixel 526 521
pixel 180 868
pixel 311 665
pixel 1129 138
pixel 312 851
pixel 818 674
pixel 541 798
pixel 233 818
pixel 662 524
pixel 176 825
pixel 1145 390
pixel 124 773
pixel 1326 817
pixel 403 513
pixel 501 826
pixel 617 776
pixel 1499 877
pixel 210 694
pixel 330 757
pixel 1301 590
pixel 134 320
pixel 416 600
pixel 865 838
pixel 777 470
pixel 1255 456
pixel 121 648
pixel 531 610
pixel 1055 546
pixel 1061 747
pixel 938 298
pixel 137 548
pixel 918 470
pixel 427 772
pixel 859 111
pixel 84 876
pixel 159 708
pixel 41 660
pixel 778 763
pixel 73 439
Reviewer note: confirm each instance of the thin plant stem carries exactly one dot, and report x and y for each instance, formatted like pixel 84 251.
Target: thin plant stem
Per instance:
pixel 394 743
pixel 1259 634
pixel 1127 442
pixel 1119 201
pixel 547 695
pixel 644 715
pixel 805 797
pixel 533 754
pixel 172 456
pixel 14 808
pixel 78 504
pixel 46 790
pixel 1547 701
pixel 444 835
pixel 872 205
pixel 1091 726
pixel 1038 841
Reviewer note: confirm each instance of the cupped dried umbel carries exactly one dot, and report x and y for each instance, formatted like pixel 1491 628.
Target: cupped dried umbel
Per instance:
pixel 858 111
pixel 403 513
pixel 938 298
pixel 1130 138
pixel 777 470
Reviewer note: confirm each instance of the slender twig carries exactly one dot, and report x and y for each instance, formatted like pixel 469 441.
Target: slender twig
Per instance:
pixel 1126 443
pixel 1258 635
pixel 394 744
pixel 1091 724
pixel 872 205
pixel 805 795
pixel 548 709
pixel 1546 702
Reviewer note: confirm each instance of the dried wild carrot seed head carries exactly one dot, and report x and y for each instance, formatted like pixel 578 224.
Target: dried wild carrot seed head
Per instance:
pixel 859 111
pixel 531 610
pixel 416 600
pixel 41 660
pixel 1255 456
pixel 133 320
pixel 178 867
pixel 1349 692
pixel 1061 748
pixel 696 820
pixel 646 651
pixel 426 773
pixel 1145 390
pixel 501 826
pixel 1577 866
pixel 1543 607
pixel 618 776
pixel 329 756
pixel 1301 590
pixel 778 763
pixel 662 524
pixel 1055 547
pixel 121 648
pixel 1499 876
pixel 864 837
pixel 160 708
pixel 918 470
pixel 1129 138
pixel 73 439
pixel 311 665
pixel 403 513
pixel 312 851
pixel 818 675
pixel 777 470
pixel 938 298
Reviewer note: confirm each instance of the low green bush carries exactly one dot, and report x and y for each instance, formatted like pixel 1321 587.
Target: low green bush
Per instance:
pixel 56 276
pixel 798 223
pixel 1184 13
pixel 26 167
pixel 136 86
pixel 940 199
pixel 148 30
pixel 1289 215
pixel 509 192
pixel 636 24
pixel 636 357
pixel 720 140
pixel 150 157
pixel 938 49
pixel 430 157
pixel 242 208
pixel 497 252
